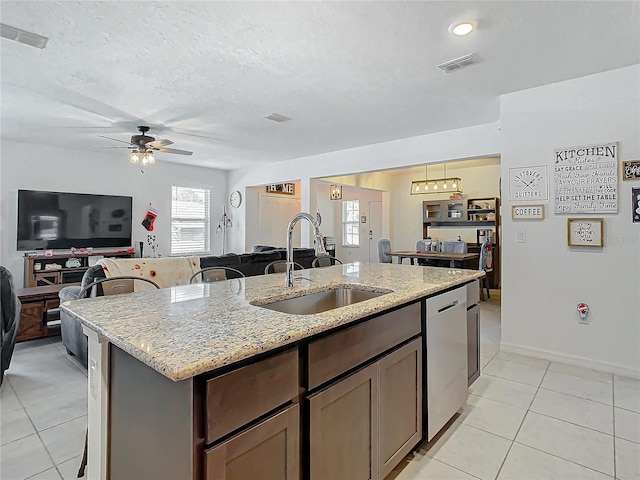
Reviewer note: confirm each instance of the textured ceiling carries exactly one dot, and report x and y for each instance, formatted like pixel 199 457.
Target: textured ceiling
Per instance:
pixel 204 74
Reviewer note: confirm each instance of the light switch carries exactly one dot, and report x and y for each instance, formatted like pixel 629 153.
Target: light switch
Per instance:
pixel 521 236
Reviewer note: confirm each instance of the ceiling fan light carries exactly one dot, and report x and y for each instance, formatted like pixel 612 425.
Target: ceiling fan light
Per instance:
pixel 150 158
pixel 134 157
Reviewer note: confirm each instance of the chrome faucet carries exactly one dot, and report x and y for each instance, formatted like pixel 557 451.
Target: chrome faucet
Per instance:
pixel 319 244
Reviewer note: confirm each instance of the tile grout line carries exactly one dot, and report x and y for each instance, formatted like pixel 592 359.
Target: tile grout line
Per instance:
pixel 37 433
pixel 564 459
pixel 522 422
pixel 576 396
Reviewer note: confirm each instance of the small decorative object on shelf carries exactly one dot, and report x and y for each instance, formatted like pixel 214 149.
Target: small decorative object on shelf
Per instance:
pixel 72 263
pixel 73 249
pixel 151 241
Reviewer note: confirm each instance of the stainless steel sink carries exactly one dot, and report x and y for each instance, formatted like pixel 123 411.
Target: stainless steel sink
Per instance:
pixel 322 301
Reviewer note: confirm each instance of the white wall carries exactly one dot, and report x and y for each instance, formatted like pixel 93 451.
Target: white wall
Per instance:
pixel 36 167
pixel 543 279
pixel 464 143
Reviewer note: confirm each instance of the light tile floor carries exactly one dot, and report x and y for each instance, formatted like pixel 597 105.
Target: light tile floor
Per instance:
pixel 525 418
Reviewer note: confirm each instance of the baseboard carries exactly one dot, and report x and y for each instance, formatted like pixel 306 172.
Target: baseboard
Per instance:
pixel 568 359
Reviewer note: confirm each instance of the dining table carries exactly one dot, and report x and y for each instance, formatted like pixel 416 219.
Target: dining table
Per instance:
pixel 452 257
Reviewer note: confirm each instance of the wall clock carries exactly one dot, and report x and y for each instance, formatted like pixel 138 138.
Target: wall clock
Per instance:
pixel 528 184
pixel 235 199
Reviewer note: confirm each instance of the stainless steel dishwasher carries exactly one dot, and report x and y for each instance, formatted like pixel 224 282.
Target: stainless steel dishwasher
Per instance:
pixel 446 358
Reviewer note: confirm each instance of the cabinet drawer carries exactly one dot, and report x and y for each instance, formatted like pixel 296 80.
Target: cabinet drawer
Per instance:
pixel 242 395
pixel 267 450
pixel 341 351
pixel 473 293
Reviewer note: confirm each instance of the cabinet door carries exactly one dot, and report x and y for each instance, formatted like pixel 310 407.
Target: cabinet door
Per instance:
pixel 473 343
pixel 268 451
pixel 400 404
pixel 433 211
pixel 31 323
pixel 343 433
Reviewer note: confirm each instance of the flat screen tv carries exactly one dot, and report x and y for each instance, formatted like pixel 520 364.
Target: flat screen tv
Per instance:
pixel 49 220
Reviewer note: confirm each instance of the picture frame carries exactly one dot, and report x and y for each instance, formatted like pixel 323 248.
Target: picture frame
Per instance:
pixel 585 232
pixel 527 212
pixel 631 170
pixel 528 184
pixel 635 205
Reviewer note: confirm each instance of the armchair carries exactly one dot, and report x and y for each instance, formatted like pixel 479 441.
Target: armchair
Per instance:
pixel 9 318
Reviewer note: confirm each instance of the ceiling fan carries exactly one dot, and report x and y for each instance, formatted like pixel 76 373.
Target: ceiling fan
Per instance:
pixel 144 145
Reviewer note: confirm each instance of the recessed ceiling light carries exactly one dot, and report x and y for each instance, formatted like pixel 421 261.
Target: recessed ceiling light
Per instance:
pixel 464 27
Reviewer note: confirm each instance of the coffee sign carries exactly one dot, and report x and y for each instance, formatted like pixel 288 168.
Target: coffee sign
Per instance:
pixel 527 212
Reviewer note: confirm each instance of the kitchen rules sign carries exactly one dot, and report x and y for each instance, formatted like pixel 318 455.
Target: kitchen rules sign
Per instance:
pixel 586 179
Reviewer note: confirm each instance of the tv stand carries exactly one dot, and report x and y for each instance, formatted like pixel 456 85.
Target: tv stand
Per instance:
pixel 39 314
pixel 43 271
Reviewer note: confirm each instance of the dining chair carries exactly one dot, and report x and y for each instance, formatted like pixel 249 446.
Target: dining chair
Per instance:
pixel 215 274
pixel 384 249
pixel 424 246
pixel 280 266
pixel 454 246
pixel 325 261
pixel 116 285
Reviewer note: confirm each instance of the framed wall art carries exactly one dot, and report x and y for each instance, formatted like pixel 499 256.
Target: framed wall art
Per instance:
pixel 586 179
pixel 528 184
pixel 527 212
pixel 585 232
pixel 631 170
pixel 635 204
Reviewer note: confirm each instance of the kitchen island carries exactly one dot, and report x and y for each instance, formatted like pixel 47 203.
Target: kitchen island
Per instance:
pixel 203 381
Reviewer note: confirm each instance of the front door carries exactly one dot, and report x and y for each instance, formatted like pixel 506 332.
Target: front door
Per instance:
pixel 375 229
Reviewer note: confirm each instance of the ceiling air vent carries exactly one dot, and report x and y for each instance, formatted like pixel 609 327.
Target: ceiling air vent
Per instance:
pixel 22 36
pixel 276 117
pixel 459 63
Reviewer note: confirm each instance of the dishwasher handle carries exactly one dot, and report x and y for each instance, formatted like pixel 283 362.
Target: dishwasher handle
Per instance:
pixel 447 307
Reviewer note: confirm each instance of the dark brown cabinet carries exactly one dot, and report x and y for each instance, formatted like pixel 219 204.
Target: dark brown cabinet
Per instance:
pixel 344 428
pixel 269 451
pixel 362 425
pixel 42 270
pixel 473 332
pixel 400 387
pixel 39 314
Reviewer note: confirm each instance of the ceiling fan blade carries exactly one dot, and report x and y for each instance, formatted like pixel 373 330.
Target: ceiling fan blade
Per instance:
pixel 159 143
pixel 103 148
pixel 173 150
pixel 114 139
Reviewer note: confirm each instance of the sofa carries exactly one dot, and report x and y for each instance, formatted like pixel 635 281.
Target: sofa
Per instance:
pixel 250 264
pixel 9 319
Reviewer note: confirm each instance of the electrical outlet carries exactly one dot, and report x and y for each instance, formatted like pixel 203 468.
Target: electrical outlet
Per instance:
pixel 521 236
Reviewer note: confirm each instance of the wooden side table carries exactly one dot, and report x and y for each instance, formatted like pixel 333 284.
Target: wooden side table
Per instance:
pixel 39 315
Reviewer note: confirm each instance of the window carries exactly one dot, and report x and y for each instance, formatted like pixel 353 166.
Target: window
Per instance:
pixel 190 222
pixel 351 223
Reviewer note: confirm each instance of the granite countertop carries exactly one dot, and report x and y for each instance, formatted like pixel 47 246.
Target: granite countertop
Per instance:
pixel 192 329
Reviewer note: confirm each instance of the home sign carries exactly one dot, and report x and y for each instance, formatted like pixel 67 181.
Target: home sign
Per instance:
pixel 282 188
